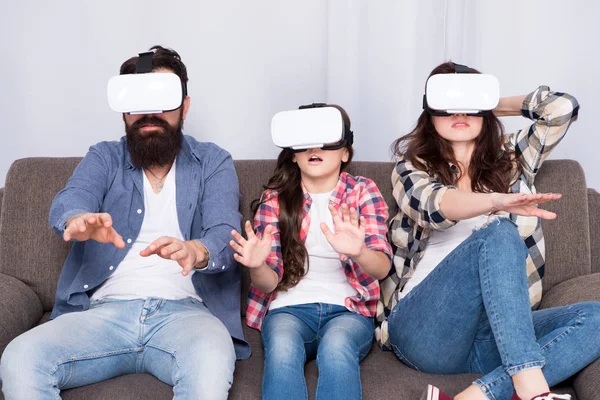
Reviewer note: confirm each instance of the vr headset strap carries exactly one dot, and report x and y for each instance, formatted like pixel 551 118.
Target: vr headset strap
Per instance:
pixel 461 69
pixel 144 63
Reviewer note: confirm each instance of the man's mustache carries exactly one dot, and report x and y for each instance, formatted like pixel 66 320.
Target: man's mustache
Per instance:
pixel 149 120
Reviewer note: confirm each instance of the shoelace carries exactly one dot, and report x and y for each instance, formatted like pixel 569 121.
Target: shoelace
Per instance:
pixel 552 396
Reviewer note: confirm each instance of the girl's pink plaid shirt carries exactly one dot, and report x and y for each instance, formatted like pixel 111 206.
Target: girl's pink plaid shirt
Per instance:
pixel 355 191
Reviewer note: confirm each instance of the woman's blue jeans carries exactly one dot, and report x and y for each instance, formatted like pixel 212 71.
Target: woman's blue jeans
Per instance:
pixel 472 315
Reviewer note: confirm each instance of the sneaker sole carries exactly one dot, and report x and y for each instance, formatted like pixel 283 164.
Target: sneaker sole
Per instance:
pixel 432 393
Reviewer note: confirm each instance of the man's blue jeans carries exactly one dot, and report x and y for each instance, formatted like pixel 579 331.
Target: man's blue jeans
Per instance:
pixel 178 341
pixel 338 338
pixel 472 315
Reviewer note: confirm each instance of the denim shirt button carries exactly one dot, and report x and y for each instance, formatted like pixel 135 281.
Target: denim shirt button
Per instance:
pixel 85 286
pixel 139 211
pixel 128 240
pixel 111 267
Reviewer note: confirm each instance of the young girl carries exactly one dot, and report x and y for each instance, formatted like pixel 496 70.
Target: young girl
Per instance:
pixel 470 254
pixel 315 260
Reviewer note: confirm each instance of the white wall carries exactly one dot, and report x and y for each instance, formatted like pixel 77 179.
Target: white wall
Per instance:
pixel 380 54
pixel 248 60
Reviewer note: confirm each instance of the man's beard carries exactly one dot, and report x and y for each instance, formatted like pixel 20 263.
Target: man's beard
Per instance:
pixel 153 148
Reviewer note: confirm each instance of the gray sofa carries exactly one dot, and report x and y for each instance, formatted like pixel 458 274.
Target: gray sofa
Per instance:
pixel 31 257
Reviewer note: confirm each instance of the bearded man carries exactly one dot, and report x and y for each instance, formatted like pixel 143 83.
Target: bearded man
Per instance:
pixel 150 285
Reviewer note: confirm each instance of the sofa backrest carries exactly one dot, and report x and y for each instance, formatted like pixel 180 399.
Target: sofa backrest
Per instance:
pixel 31 252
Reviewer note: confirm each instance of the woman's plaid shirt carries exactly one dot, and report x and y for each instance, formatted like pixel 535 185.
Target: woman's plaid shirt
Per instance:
pixel 358 192
pixel 419 195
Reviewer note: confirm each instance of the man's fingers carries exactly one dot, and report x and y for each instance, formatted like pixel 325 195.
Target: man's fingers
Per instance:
pixel 171 248
pixel 179 254
pixel 105 219
pixel 186 269
pixel 117 239
pixel 155 247
pixel 160 242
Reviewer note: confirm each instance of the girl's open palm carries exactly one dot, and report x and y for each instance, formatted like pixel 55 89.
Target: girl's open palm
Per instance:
pixel 349 236
pixel 251 252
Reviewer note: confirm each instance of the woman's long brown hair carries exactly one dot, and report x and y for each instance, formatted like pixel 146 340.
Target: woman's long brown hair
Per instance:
pixel 286 183
pixel 492 168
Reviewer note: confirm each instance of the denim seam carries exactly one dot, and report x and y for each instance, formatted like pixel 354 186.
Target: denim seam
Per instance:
pixel 521 367
pixel 492 318
pixel 173 355
pixel 397 351
pixel 156 309
pixel 485 387
pixel 71 373
pixel 73 359
pixel 566 331
pixel 97 355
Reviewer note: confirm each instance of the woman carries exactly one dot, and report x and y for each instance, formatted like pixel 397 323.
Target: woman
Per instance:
pixel 470 254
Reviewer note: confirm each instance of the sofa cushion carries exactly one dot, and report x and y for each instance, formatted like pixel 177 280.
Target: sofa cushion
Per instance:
pixel 29 250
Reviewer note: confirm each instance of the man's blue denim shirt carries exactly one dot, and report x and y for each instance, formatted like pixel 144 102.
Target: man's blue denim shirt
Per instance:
pixel 207 209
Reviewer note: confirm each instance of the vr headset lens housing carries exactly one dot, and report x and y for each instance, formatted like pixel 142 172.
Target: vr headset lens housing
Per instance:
pixel 474 94
pixel 147 93
pixel 321 127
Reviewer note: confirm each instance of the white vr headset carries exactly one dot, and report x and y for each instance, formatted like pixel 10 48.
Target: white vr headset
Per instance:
pixel 311 126
pixel 145 92
pixel 461 93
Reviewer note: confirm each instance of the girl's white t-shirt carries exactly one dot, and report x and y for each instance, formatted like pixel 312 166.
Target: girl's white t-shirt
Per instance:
pixel 326 281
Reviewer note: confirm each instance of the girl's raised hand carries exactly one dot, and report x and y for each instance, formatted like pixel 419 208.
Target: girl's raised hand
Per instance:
pixel 251 252
pixel 349 236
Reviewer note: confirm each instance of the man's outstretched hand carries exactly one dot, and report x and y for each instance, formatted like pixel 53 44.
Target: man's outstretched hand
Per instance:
pixel 97 226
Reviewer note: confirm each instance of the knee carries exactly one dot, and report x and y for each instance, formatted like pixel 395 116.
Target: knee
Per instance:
pixel 339 345
pixel 504 234
pixel 20 356
pixel 284 347
pixel 205 369
pixel 588 313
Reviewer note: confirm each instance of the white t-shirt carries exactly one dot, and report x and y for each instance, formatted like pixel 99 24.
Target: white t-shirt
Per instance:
pixel 138 277
pixel 442 243
pixel 326 281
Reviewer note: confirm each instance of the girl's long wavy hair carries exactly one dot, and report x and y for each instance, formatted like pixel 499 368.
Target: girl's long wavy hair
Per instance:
pixel 286 182
pixel 491 169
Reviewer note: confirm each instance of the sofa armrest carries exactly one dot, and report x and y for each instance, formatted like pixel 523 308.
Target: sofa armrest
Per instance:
pixel 20 309
pixel 594 213
pixel 574 290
